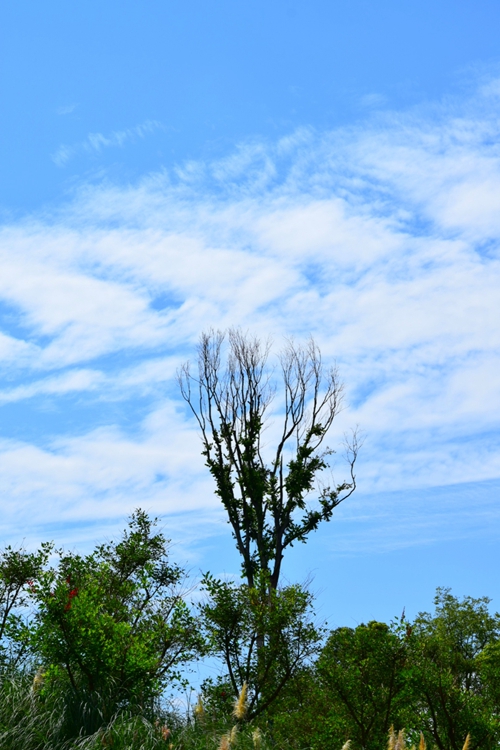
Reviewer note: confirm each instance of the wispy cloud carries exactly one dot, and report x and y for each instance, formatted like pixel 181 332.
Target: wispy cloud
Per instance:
pixel 383 241
pixel 96 142
pixel 66 109
pixel 69 382
pixel 373 100
pixel 105 473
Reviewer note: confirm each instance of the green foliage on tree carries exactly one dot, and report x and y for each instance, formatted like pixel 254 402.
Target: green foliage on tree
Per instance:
pixel 363 672
pixel 17 568
pixel 266 491
pixel 262 632
pixel 439 675
pixel 112 627
pixel 488 663
pixel 262 637
pixel 455 672
pixel 111 630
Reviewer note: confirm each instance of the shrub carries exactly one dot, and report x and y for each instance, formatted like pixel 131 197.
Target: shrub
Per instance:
pixel 111 629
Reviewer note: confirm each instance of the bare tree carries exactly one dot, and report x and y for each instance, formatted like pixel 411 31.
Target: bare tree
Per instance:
pixel 268 503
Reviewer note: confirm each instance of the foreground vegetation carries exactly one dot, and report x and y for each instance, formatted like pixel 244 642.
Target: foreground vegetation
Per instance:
pixel 93 646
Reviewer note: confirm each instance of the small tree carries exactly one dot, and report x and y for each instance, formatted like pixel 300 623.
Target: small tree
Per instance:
pixel 362 671
pixel 111 628
pixel 266 501
pixel 17 569
pixel 263 637
pixel 454 672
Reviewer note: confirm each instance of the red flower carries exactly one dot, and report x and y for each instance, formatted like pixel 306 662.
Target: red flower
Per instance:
pixel 71 595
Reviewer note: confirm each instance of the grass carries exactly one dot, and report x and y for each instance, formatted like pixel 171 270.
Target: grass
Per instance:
pixel 32 720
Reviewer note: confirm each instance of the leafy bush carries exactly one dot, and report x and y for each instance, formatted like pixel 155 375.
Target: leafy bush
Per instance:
pixel 363 671
pixel 111 629
pixel 439 675
pixel 31 721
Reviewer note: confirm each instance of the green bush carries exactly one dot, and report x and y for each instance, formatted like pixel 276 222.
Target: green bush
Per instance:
pixel 111 629
pixel 32 721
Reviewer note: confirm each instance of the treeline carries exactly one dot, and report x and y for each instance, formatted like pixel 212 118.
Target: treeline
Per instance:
pixel 92 645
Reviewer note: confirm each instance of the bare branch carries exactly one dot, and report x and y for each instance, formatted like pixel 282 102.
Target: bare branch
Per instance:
pixel 230 400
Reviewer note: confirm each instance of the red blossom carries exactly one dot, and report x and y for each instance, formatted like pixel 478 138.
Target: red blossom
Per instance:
pixel 71 595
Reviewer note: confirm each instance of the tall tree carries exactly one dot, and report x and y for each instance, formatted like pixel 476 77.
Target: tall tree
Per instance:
pixel 268 502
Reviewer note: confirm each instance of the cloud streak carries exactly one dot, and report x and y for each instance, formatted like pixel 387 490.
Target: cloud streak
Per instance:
pixel 96 142
pixel 66 109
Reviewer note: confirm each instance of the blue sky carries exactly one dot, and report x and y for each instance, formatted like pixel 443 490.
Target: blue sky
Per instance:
pixel 323 168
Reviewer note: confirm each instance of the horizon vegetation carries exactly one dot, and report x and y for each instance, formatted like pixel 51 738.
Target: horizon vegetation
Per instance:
pixel 93 648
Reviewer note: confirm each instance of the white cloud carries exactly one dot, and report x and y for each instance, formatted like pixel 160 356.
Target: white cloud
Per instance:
pixel 373 100
pixel 15 350
pixel 66 109
pixel 77 380
pixel 105 474
pixel 95 142
pixel 382 241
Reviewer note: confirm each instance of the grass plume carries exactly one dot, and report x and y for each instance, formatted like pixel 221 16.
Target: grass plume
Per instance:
pixel 199 709
pixel 233 735
pixel 240 705
pixel 257 738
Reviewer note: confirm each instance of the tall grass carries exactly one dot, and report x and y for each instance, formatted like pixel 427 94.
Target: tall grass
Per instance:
pixel 33 718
